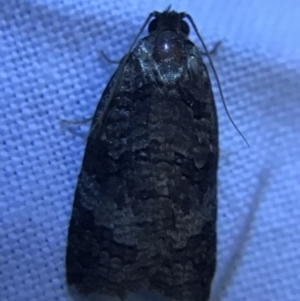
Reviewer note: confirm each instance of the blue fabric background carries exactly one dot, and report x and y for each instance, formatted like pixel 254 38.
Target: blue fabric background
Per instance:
pixel 50 68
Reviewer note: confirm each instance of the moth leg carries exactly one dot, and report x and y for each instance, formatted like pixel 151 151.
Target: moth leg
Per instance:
pixel 64 122
pixel 79 121
pixel 213 50
pixel 108 59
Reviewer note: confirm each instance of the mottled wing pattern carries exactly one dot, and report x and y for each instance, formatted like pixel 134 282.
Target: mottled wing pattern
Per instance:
pixel 144 212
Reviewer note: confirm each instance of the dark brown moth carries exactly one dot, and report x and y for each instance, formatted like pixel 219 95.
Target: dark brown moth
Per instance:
pixel 144 213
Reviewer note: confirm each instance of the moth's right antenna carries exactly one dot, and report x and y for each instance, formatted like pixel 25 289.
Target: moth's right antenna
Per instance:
pixel 215 73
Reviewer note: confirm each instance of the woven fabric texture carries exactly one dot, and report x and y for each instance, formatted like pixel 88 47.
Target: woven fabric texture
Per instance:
pixel 51 69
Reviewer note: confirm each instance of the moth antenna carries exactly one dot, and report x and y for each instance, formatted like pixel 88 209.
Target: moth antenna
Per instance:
pixel 216 75
pixel 221 282
pixel 119 71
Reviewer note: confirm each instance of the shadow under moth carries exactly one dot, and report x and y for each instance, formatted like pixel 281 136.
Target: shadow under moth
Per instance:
pixel 144 212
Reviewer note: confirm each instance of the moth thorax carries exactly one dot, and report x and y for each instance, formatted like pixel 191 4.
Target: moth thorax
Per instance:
pixel 168 47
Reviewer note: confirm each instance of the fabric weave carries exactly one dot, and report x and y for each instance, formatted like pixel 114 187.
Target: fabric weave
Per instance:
pixel 51 69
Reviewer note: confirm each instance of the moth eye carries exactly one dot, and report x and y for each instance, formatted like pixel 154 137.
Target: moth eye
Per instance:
pixel 152 26
pixel 184 27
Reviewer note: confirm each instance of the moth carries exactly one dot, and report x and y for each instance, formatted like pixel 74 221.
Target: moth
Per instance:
pixel 144 212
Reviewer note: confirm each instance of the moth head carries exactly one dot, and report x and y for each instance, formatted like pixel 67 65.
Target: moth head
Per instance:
pixel 169 20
